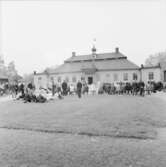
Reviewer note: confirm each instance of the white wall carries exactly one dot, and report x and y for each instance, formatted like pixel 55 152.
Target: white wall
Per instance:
pixel 102 76
pixel 47 80
pixel 156 71
pixel 108 76
pixel 40 83
pixel 63 77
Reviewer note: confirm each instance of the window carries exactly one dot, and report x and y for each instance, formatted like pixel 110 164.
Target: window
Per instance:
pixel 40 78
pixel 125 76
pixel 52 78
pixel 74 79
pixel 107 75
pixel 67 79
pixel 82 78
pixel 59 79
pixel 40 81
pixel 98 77
pixel 115 77
pixel 151 75
pixel 135 77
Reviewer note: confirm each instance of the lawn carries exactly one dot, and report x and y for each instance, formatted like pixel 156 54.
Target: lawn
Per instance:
pixel 95 131
pixel 102 115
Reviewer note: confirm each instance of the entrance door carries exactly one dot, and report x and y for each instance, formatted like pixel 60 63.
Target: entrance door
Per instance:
pixel 164 76
pixel 90 80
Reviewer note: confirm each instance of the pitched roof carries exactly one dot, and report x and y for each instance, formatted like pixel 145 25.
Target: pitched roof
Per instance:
pixel 100 56
pixel 114 64
pixel 101 62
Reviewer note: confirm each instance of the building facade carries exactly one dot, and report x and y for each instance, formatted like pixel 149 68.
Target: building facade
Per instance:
pixel 98 68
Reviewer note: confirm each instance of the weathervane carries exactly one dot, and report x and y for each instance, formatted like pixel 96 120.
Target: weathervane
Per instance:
pixel 94 48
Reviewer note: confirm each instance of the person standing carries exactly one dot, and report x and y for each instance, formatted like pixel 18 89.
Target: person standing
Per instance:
pixel 53 88
pixel 79 88
pixel 16 89
pixel 142 85
pixel 22 90
pixel 64 88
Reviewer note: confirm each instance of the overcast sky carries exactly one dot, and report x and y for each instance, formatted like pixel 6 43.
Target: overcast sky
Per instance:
pixel 38 34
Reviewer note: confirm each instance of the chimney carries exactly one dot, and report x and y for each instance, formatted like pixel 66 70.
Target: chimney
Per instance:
pixel 116 50
pixel 142 66
pixel 34 72
pixel 73 54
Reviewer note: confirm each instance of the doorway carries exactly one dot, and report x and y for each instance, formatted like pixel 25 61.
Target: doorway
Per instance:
pixel 90 80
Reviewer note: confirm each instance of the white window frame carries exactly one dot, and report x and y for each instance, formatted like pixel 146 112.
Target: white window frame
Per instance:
pixel 115 77
pixel 151 76
pixel 125 77
pixel 135 76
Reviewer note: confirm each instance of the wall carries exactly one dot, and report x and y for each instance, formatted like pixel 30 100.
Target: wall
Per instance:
pixel 46 81
pixel 102 76
pixel 163 68
pixel 108 76
pixel 156 71
pixel 40 83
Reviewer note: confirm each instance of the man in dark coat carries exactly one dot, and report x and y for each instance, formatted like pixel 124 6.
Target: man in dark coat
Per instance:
pixel 22 90
pixel 64 88
pixel 16 89
pixel 30 86
pixel 79 88
pixel 141 86
pixel 53 88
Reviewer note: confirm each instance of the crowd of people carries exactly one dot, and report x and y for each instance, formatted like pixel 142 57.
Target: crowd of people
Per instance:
pixel 134 88
pixel 28 93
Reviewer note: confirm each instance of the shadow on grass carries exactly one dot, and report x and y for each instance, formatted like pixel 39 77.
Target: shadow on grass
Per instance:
pixel 142 135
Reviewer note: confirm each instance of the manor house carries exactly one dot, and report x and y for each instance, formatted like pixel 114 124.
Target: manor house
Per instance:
pixel 99 67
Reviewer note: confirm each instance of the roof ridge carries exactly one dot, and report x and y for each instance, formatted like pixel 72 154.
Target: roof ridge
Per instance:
pixel 106 55
pixel 99 54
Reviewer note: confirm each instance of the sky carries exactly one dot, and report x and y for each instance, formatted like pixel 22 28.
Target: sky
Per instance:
pixel 42 33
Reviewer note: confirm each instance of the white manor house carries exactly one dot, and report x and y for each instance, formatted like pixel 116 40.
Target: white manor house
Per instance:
pixel 99 68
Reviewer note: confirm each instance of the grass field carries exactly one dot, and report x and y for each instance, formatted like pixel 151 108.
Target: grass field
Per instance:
pixel 94 115
pixel 99 125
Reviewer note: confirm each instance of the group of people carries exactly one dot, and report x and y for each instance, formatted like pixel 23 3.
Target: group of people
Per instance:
pixel 29 93
pixel 4 87
pixel 134 88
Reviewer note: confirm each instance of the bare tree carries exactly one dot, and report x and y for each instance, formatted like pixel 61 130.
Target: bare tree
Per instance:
pixel 155 59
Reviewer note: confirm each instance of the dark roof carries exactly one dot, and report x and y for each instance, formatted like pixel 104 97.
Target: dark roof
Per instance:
pixel 115 64
pixel 101 62
pixel 100 56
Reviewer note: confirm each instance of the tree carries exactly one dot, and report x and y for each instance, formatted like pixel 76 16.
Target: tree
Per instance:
pixel 155 59
pixel 12 73
pixel 28 78
pixel 3 69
